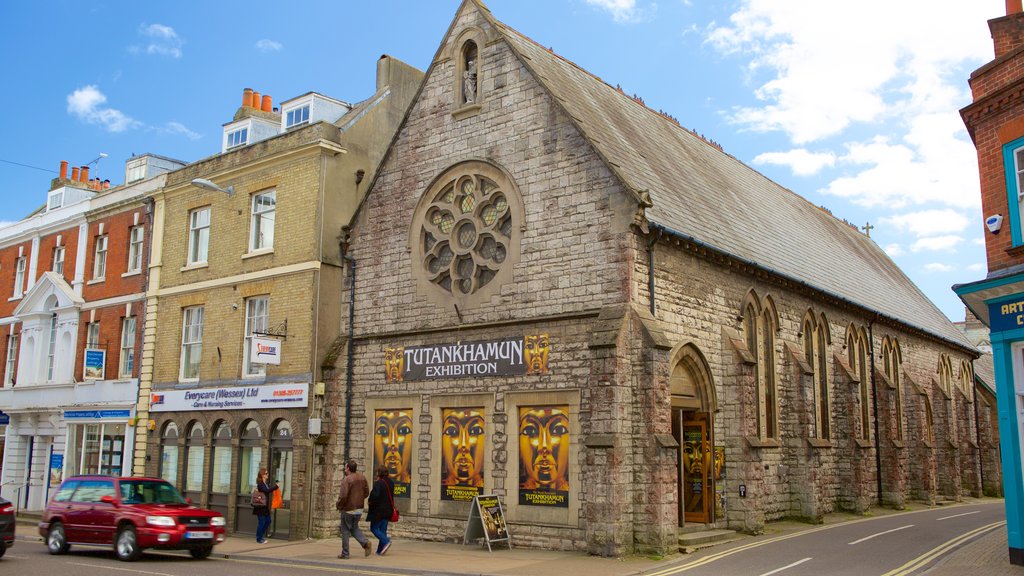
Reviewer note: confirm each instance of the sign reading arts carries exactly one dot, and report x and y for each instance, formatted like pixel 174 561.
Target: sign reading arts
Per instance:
pixel 232 398
pixel 1006 315
pixel 505 357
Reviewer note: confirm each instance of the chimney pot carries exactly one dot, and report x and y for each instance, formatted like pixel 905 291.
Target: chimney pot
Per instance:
pixel 74 174
pixel 84 174
pixel 255 99
pixel 63 169
pixel 1013 7
pixel 106 184
pixel 247 97
pixel 268 103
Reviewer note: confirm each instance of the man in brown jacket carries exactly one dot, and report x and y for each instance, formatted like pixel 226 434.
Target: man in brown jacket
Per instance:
pixel 351 499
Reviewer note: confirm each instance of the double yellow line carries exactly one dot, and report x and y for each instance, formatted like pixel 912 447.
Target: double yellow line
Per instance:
pixel 931 555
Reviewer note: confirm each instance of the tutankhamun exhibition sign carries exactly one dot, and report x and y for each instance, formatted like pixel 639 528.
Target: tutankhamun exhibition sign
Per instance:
pixel 392 446
pixel 505 357
pixel 544 456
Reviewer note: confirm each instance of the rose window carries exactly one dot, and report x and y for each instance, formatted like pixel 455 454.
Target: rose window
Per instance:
pixel 466 234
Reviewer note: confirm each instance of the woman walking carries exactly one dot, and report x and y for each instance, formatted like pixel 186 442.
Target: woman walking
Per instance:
pixel 262 511
pixel 381 507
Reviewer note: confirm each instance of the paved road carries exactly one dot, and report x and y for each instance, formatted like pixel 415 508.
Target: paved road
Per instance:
pixel 897 545
pixel 27 558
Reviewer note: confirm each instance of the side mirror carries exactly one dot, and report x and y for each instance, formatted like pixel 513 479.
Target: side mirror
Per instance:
pixel 108 500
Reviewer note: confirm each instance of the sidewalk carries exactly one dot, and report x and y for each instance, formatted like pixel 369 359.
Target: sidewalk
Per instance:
pixel 985 555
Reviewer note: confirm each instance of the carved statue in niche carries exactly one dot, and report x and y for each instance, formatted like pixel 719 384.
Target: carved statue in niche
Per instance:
pixel 469 82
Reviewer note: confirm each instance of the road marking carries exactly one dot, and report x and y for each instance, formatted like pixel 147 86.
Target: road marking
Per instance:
pixel 959 515
pixel 777 570
pixel 866 538
pixel 941 549
pixel 109 567
pixel 338 569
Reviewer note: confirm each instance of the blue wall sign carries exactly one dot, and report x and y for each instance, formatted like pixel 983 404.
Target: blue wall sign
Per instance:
pixel 96 414
pixel 1006 315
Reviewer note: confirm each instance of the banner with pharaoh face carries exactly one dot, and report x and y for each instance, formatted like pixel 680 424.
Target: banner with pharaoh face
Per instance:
pixel 394 364
pixel 544 456
pixel 392 446
pixel 462 453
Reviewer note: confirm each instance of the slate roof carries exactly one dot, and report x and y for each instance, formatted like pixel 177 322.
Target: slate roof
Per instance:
pixel 700 192
pixel 985 372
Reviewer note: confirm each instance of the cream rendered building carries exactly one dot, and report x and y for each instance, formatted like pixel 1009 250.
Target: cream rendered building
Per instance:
pixel 244 299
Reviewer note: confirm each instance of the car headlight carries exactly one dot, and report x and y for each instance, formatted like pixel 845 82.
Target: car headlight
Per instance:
pixel 160 521
pixel 217 521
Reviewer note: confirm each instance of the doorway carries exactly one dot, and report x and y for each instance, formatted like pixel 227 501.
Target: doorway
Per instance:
pixel 281 471
pixel 693 408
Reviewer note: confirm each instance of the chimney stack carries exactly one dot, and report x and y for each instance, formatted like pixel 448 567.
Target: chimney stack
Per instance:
pixel 63 169
pixel 1013 7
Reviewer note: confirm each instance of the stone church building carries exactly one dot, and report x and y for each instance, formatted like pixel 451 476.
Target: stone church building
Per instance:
pixel 564 298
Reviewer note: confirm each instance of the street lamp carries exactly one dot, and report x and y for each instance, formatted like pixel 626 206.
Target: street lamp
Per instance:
pixel 208 185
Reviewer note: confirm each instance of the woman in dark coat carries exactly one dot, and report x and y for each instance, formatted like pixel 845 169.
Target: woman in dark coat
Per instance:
pixel 381 508
pixel 262 512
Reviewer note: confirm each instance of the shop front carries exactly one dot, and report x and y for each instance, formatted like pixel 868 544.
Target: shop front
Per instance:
pixel 213 442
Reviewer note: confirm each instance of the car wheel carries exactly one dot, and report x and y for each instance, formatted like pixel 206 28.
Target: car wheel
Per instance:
pixel 56 539
pixel 126 546
pixel 201 553
pixel 3 547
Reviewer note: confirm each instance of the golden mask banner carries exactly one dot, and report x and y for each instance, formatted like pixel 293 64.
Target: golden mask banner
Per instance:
pixel 544 456
pixel 392 446
pixel 505 357
pixel 462 453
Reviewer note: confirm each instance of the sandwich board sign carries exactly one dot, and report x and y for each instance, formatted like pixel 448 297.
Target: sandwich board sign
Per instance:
pixel 487 521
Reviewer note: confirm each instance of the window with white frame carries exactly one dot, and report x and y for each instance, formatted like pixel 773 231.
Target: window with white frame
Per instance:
pixel 264 207
pixel 92 336
pixel 297 116
pixel 191 342
pixel 58 260
pixel 51 352
pixel 127 347
pixel 55 199
pixel 99 263
pixel 135 249
pixel 135 170
pixel 198 235
pixel 238 137
pixel 12 355
pixel 19 276
pixel 257 315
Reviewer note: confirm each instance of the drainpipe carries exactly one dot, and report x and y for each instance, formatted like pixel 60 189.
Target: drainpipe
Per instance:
pixel 977 432
pixel 874 395
pixel 351 353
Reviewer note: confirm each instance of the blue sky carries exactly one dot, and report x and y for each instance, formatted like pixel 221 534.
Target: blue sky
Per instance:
pixel 852 105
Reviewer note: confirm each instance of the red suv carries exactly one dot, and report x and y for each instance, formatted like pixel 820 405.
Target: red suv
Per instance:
pixel 129 513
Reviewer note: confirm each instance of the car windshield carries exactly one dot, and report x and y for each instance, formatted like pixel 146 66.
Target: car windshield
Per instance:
pixel 149 492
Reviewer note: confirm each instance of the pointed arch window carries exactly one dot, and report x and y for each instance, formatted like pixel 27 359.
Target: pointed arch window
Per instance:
pixel 966 380
pixel 945 375
pixel 892 360
pixel 759 336
pixel 856 349
pixel 816 341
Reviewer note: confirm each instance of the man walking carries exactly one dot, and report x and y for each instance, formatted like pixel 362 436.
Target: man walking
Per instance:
pixel 351 499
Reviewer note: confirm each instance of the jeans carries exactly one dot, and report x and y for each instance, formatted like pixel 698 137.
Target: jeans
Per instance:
pixel 350 526
pixel 380 530
pixel 262 523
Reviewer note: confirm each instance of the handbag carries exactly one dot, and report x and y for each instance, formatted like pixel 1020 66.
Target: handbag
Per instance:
pixel 394 509
pixel 258 498
pixel 276 501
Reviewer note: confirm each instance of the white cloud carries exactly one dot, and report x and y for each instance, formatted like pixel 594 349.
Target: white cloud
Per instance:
pixel 799 160
pixel 938 267
pixel 86 103
pixel 928 222
pixel 267 45
pixel 163 40
pixel 936 243
pixel 179 128
pixel 893 250
pixel 621 10
pixel 976 267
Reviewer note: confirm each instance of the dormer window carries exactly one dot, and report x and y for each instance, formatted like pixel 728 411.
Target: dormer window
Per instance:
pixel 238 137
pixel 55 199
pixel 297 116
pixel 135 170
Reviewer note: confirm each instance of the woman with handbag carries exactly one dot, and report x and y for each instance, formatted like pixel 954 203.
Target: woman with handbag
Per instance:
pixel 261 498
pixel 382 509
